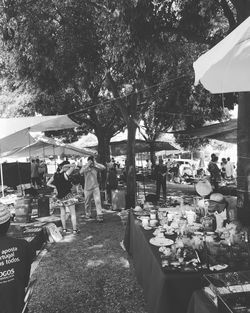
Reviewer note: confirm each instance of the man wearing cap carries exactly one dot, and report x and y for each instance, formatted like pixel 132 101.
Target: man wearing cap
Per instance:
pixel 15 263
pixel 91 187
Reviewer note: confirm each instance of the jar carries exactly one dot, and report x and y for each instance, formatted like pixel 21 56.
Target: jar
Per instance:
pixel 153 222
pixel 153 214
pixel 145 220
pixel 209 222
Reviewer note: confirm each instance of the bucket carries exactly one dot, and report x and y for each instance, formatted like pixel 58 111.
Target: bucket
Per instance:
pixel 23 210
pixel 43 206
pixel 79 206
pixel 118 199
pixel 5 206
pixel 232 207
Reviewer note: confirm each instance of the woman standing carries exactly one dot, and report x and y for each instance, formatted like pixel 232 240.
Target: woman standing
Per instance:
pixel 65 198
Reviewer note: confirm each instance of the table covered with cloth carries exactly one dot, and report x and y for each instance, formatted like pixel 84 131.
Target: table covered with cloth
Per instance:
pixel 199 303
pixel 164 291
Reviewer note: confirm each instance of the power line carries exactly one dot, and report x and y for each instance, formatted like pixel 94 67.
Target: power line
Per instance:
pixel 108 101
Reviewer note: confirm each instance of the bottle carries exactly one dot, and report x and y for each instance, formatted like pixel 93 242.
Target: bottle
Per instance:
pixel 209 222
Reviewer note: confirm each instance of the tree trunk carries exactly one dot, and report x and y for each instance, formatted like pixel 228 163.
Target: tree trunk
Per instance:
pixel 243 140
pixel 243 10
pixel 130 166
pixel 243 164
pixel 103 152
pixel 129 112
pixel 152 153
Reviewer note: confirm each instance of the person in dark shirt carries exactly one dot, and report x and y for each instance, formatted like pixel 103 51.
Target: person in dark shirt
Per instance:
pixel 160 173
pixel 15 264
pixel 215 173
pixel 112 180
pixel 60 181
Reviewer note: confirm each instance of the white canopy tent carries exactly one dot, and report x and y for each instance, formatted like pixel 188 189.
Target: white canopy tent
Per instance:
pixel 14 132
pixel 224 131
pixel 44 146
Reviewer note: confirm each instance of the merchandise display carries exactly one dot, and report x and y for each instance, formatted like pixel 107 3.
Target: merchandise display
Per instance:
pixel 196 239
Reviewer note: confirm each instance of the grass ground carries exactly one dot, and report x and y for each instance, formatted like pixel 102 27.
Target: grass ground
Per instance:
pixel 88 273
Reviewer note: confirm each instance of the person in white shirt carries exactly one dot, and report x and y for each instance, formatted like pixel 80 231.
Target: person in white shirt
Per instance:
pixel 91 187
pixel 148 165
pixel 229 169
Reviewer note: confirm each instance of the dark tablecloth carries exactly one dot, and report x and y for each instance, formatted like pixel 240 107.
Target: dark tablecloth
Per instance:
pixel 164 291
pixel 199 303
pixel 16 173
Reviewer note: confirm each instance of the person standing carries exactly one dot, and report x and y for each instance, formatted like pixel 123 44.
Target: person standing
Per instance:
pixel 15 264
pixel 229 169
pixel 34 169
pixel 160 172
pixel 43 171
pixel 223 167
pixel 149 165
pixel 60 181
pixel 111 181
pixel 91 187
pixel 215 174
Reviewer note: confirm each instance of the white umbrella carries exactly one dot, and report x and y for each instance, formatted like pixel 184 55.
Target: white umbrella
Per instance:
pixel 223 68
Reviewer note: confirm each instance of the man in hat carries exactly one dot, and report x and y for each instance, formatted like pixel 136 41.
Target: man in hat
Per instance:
pixel 15 263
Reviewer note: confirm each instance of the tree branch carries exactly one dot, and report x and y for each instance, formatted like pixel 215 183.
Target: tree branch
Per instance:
pixel 228 14
pixel 94 117
pixel 88 122
pixel 112 85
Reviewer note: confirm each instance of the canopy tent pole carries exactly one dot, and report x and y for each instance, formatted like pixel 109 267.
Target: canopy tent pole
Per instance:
pixel 31 184
pixel 20 178
pixel 1 170
pixel 143 177
pixel 54 156
pixel 28 130
pixel 43 151
pixel 1 165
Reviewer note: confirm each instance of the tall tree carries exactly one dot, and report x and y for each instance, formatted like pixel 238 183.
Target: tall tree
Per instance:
pixel 58 46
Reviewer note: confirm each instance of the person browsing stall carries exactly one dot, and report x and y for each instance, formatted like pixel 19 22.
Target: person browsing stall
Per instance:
pixel 91 187
pixel 65 199
pixel 161 179
pixel 15 264
pixel 215 173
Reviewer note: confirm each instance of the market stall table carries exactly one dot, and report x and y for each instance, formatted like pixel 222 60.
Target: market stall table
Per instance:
pixel 165 291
